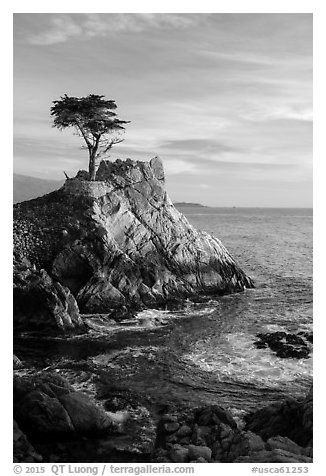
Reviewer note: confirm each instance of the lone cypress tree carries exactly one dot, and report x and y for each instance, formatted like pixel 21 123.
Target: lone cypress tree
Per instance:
pixel 93 119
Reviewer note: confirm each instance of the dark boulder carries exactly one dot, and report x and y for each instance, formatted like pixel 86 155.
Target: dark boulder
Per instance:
pixel 213 415
pixel 210 434
pixel 46 406
pixel 286 345
pixel 17 363
pixel 274 456
pixel 23 449
pixel 69 426
pixel 41 303
pixel 291 418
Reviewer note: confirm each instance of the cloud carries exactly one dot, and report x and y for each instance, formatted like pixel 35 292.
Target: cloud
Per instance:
pixel 204 145
pixel 62 29
pixel 97 24
pixel 282 112
pixel 205 186
pixel 65 27
pixel 225 100
pixel 205 164
pixel 295 114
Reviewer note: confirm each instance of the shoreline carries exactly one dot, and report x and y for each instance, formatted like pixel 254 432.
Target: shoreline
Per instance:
pixel 142 319
pixel 143 348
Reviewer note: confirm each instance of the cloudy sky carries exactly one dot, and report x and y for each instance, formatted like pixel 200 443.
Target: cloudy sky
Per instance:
pixel 224 99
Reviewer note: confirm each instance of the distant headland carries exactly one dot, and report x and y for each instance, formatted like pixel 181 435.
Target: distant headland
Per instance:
pixel 189 205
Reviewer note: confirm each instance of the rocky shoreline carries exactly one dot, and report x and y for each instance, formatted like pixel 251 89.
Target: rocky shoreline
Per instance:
pixel 114 244
pixel 78 410
pixel 55 422
pixel 90 256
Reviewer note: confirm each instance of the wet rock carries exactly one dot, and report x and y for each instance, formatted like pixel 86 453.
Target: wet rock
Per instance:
pixel 201 460
pixel 184 431
pixel 84 415
pixel 286 345
pixel 218 452
pixel 234 445
pixel 196 452
pixel 201 434
pixel 67 425
pixel 255 442
pixel 47 409
pixel 308 451
pixel 171 439
pixel 225 432
pixel 219 437
pixel 307 335
pixel 138 438
pixel 185 441
pixel 290 418
pixel 160 453
pixel 213 415
pixel 241 444
pixel 178 454
pixel 171 427
pixel 283 443
pixel 119 399
pixel 40 303
pixel 22 448
pixel 43 415
pixel 167 418
pixel 222 441
pixel 17 363
pixel 274 456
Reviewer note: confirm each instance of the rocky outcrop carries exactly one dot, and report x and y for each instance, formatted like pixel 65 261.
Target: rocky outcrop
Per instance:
pixel 22 448
pixel 46 406
pixel 211 435
pixel 55 420
pixel 17 363
pixel 119 241
pixel 291 418
pixel 41 303
pixel 286 345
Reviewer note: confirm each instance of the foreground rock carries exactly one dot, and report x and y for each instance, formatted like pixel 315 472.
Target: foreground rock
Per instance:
pixel 119 241
pixel 54 422
pixel 41 303
pixel 17 363
pixel 22 448
pixel 211 435
pixel 46 406
pixel 291 418
pixel 286 345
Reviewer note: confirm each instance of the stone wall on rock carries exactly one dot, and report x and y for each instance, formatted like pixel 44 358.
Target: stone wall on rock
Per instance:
pixel 119 241
pixel 84 188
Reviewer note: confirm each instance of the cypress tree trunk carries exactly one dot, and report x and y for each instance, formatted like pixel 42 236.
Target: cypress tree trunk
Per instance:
pixel 91 167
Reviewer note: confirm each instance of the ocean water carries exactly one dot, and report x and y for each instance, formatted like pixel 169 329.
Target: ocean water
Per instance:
pixel 273 246
pixel 204 353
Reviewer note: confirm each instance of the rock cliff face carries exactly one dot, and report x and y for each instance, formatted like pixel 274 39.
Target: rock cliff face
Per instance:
pixel 119 241
pixel 42 302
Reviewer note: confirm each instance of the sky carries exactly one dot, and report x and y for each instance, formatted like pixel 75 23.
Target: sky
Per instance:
pixel 224 99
